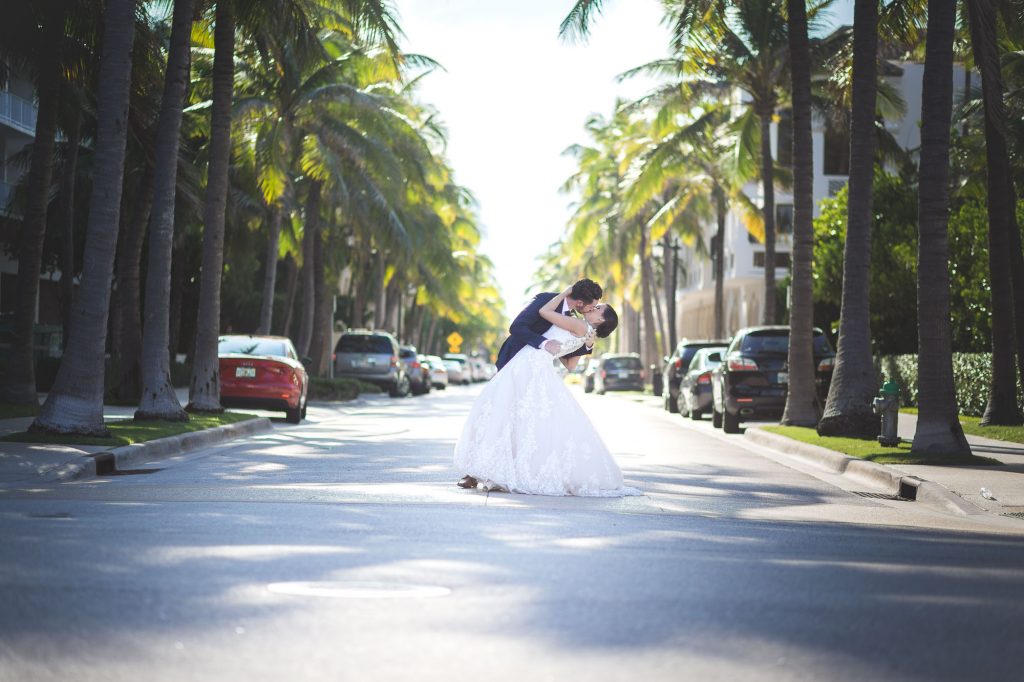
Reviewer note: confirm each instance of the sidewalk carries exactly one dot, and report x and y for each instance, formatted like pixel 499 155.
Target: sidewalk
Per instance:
pixel 955 489
pixel 37 462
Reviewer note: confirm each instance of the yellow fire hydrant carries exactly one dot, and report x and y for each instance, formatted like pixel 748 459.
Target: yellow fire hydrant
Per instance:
pixel 887 404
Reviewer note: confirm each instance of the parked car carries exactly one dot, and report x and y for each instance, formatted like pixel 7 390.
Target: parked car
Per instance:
pixel 458 372
pixel 419 376
pixel 262 372
pixel 438 372
pixel 676 366
pixel 619 372
pixel 753 379
pixel 371 356
pixel 466 373
pixel 695 387
pixel 588 374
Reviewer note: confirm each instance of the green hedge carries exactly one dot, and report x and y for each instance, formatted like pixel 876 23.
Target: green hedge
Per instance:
pixel 972 373
pixel 338 389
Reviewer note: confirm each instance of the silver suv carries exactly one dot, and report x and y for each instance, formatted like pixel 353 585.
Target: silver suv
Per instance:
pixel 371 356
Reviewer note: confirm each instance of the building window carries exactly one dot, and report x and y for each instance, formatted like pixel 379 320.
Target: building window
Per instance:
pixel 837 151
pixel 784 149
pixel 784 219
pixel 781 259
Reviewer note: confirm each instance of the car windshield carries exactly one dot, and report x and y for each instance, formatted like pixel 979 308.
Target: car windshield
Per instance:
pixel 622 363
pixel 363 343
pixel 707 359
pixel 244 345
pixel 778 342
pixel 407 354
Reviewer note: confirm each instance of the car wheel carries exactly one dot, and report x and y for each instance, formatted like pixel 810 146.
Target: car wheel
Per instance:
pixel 671 402
pixel 696 415
pixel 716 417
pixel 294 416
pixel 730 422
pixel 400 389
pixel 305 404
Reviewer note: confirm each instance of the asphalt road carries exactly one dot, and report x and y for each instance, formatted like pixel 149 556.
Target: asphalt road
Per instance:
pixel 341 550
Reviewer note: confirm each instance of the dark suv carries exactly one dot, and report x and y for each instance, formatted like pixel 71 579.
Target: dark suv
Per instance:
pixel 371 356
pixel 753 379
pixel 675 368
pixel 619 372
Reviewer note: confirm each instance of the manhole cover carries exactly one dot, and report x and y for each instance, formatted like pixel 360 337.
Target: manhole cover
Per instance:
pixel 880 496
pixel 358 590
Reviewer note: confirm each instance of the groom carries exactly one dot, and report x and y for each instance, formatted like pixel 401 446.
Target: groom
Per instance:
pixel 528 329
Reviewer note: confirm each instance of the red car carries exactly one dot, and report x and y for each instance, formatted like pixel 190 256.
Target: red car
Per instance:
pixel 262 372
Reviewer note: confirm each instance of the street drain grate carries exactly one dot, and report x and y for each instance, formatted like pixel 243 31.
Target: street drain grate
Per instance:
pixel 1015 515
pixel 129 472
pixel 53 515
pixel 881 496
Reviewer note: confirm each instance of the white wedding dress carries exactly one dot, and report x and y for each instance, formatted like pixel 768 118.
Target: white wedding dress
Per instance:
pixel 527 434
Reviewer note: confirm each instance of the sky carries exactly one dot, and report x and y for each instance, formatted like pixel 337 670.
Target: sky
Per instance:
pixel 514 97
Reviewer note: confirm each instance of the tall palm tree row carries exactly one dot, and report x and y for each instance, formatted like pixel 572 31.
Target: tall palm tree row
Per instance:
pixel 297 123
pixel 764 50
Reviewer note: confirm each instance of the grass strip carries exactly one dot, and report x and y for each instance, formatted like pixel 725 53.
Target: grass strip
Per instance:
pixel 872 451
pixel 972 426
pixel 128 431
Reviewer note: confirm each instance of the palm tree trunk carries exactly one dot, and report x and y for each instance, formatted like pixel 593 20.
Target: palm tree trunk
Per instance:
pixel 75 403
pixel 310 246
pixel 848 408
pixel 659 316
pixel 158 398
pixel 19 380
pixel 719 256
pixel 67 255
pixel 768 188
pixel 1002 397
pixel 378 308
pixel 204 391
pixel 938 429
pixel 129 267
pixel 177 294
pixel 431 333
pixel 802 405
pixel 270 271
pixel 321 314
pixel 291 286
pixel 649 345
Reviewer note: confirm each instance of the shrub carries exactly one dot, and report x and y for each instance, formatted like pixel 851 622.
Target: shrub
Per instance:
pixel 321 388
pixel 972 373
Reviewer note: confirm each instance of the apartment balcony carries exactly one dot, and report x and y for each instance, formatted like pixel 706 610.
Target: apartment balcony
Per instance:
pixel 18 113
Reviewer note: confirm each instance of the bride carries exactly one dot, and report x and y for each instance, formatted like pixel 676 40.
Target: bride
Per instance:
pixel 527 434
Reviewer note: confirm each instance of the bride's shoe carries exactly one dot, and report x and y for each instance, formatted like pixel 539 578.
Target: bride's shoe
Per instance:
pixel 467 481
pixel 492 487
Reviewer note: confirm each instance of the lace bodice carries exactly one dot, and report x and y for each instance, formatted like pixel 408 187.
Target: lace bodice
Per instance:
pixel 569 342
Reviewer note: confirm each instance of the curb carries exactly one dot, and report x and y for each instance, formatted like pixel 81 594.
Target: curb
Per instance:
pixel 910 487
pixel 124 457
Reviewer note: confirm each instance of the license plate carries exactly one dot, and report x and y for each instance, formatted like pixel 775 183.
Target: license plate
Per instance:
pixel 783 377
pixel 245 372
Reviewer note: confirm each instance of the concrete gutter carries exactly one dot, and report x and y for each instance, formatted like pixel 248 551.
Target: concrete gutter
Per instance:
pixel 885 477
pixel 128 456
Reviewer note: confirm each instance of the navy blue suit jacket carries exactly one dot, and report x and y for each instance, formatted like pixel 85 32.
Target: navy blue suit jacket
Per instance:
pixel 528 329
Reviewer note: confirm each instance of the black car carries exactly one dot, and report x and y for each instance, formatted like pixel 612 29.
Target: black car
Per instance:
pixel 676 366
pixel 695 387
pixel 753 379
pixel 619 372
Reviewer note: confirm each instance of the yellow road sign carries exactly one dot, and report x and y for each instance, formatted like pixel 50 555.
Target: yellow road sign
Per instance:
pixel 454 339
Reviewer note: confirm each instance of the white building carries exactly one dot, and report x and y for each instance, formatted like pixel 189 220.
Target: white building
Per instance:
pixel 744 256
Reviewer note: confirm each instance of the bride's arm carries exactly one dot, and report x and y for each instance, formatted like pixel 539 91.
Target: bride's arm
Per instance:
pixel 551 311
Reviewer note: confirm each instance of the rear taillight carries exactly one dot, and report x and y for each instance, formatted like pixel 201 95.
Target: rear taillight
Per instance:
pixel 679 363
pixel 704 378
pixel 415 365
pixel 604 374
pixel 827 365
pixel 394 361
pixel 334 356
pixel 643 375
pixel 738 363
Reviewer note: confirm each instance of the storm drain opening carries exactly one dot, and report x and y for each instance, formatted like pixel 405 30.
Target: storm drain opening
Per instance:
pixel 881 496
pixel 1014 515
pixel 130 472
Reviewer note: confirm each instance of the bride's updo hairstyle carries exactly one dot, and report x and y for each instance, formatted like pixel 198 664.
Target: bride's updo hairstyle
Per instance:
pixel 609 323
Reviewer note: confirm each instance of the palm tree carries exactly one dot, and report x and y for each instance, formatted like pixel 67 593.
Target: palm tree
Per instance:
pixel 19 383
pixel 75 403
pixel 1002 406
pixel 848 408
pixel 158 398
pixel 938 428
pixel 204 390
pixel 802 405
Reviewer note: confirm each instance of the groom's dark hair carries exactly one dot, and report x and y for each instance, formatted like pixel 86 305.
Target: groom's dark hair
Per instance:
pixel 587 290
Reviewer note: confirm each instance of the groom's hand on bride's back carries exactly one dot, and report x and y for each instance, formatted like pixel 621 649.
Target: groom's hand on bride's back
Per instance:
pixel 552 346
